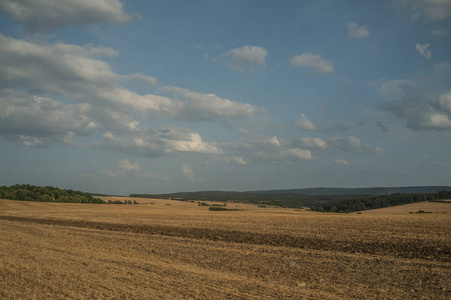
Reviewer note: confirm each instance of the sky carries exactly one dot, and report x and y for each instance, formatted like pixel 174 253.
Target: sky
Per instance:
pixel 121 97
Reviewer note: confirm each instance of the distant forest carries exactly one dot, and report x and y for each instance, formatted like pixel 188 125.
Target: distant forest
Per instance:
pixel 26 192
pixel 257 198
pixel 320 199
pixel 365 203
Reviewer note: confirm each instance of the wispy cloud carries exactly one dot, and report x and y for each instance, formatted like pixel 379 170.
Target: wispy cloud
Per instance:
pixel 423 50
pixel 430 10
pixel 189 173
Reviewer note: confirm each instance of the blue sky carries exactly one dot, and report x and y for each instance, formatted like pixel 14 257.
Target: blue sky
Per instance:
pixel 124 97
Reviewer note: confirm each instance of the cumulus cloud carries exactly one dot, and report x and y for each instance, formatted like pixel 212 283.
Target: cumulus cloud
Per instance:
pixel 296 154
pixel 126 165
pixel 39 121
pixel 357 32
pixel 184 140
pixel 158 143
pixel 305 123
pixel 430 10
pixel 312 61
pixel 38 15
pixel 77 73
pixel 312 143
pixel 97 101
pixel 419 110
pixel 248 58
pixel 423 50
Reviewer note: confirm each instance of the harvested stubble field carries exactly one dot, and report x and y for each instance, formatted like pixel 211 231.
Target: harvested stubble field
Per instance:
pixel 185 251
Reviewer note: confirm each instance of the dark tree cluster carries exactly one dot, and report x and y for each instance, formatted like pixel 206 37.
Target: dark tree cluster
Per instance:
pixel 26 192
pixel 366 203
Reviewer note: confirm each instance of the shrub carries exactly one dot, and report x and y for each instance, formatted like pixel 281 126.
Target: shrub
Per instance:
pixel 218 208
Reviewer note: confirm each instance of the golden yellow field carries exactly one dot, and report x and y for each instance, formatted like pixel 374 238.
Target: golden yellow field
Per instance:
pixel 179 250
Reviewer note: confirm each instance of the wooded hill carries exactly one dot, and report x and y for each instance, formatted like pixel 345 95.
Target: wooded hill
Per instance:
pixel 322 199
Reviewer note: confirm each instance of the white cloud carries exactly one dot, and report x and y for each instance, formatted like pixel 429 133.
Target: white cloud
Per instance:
pixel 305 123
pixel 40 15
pixel 299 149
pixel 39 121
pixel 125 165
pixel 247 58
pixel 341 162
pixel 239 160
pixel 444 102
pixel 423 50
pixel 77 74
pixel 313 143
pixel 313 61
pixel 184 140
pixel 347 143
pixel 164 142
pixel 430 10
pixel 356 31
pixel 274 141
pixel 296 154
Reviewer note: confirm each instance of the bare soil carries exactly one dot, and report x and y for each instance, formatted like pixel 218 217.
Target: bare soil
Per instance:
pixel 185 251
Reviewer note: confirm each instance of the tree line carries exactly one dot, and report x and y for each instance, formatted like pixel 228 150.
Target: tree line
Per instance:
pixel 26 192
pixel 373 202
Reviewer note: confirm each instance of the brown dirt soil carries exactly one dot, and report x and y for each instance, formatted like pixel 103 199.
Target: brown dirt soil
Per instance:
pixel 185 251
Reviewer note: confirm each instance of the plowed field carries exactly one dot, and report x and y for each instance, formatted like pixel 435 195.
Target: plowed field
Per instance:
pixel 178 250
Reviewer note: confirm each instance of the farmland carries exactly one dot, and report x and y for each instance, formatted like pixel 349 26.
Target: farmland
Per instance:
pixel 165 249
